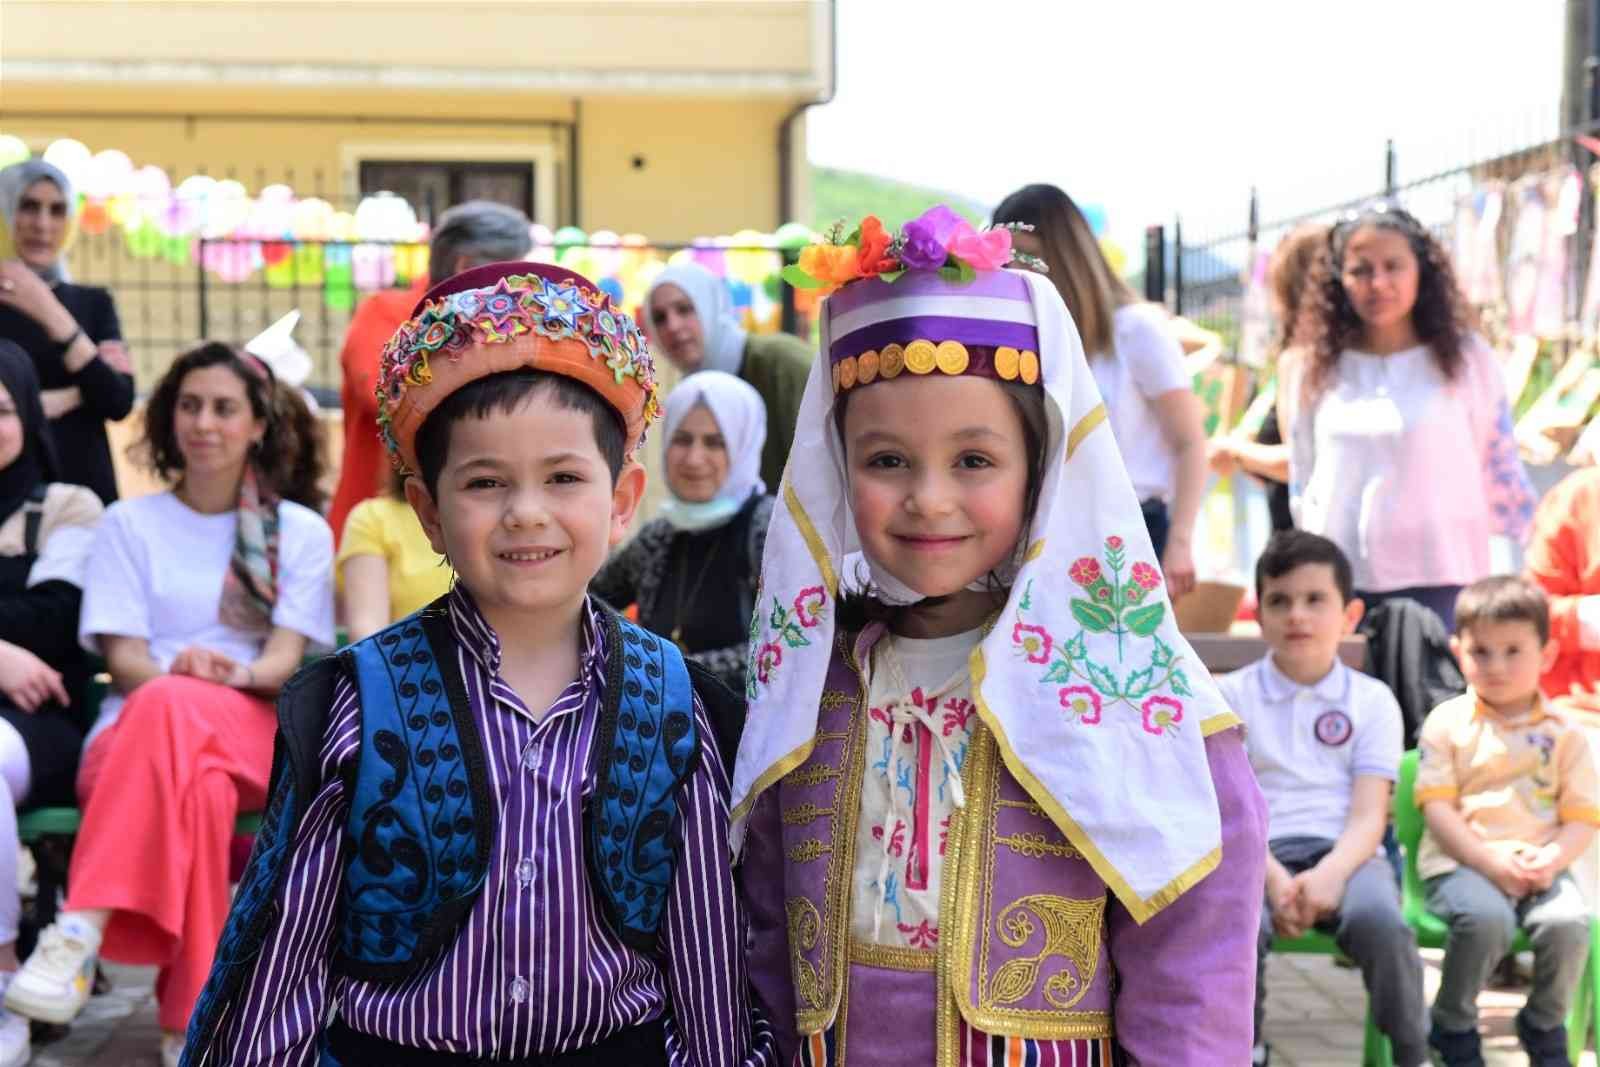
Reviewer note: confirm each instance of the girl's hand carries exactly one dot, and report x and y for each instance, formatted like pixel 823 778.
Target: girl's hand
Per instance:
pixel 209 666
pixel 1177 566
pixel 21 288
pixel 57 402
pixel 1220 457
pixel 28 680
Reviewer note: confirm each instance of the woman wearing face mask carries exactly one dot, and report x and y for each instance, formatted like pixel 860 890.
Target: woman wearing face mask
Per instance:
pixel 71 332
pixel 1401 448
pixel 693 571
pixel 689 317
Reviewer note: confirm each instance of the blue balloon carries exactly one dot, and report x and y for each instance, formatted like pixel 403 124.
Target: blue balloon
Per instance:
pixel 1095 216
pixel 741 293
pixel 613 288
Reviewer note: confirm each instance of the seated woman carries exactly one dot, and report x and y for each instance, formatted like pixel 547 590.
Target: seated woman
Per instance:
pixel 693 571
pixel 202 600
pixel 387 569
pixel 46 529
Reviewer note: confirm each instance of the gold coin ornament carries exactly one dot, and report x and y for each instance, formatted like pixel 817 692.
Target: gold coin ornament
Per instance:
pixel 847 372
pixel 1006 360
pixel 866 367
pixel 1028 367
pixel 891 361
pixel 921 357
pixel 836 377
pixel 951 357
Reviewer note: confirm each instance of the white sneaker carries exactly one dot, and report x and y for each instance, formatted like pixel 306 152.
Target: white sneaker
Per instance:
pixel 171 1049
pixel 54 984
pixel 16 1046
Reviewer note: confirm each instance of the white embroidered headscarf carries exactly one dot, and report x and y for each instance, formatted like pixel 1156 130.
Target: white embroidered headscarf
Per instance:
pixel 720 330
pixel 741 417
pixel 1099 705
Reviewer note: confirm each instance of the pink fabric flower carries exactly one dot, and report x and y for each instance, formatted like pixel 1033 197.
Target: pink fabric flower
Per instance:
pixel 808 605
pixel 1113 542
pixel 988 250
pixel 1161 714
pixel 1145 576
pixel 1033 640
pixel 1083 702
pixel 1086 571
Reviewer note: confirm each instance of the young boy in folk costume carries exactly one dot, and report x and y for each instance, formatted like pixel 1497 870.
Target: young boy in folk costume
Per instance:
pixel 1018 826
pixel 497 831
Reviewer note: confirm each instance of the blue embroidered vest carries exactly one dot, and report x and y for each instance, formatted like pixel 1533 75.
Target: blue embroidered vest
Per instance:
pixel 420 829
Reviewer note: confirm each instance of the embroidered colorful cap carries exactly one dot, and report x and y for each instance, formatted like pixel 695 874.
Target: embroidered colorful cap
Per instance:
pixel 506 316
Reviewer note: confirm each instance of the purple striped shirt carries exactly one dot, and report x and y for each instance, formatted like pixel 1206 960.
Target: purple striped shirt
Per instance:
pixel 535 970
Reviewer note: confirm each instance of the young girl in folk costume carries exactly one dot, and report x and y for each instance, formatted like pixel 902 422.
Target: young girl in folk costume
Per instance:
pixel 992 809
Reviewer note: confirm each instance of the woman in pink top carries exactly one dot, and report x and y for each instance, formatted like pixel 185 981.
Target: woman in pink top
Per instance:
pixel 1401 449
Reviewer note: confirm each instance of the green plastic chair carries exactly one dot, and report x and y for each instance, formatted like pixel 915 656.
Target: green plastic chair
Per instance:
pixel 1375 1048
pixel 1432 931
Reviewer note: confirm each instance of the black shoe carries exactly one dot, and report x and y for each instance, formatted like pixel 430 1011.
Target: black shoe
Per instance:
pixel 1546 1048
pixel 1457 1049
pixel 1261 1055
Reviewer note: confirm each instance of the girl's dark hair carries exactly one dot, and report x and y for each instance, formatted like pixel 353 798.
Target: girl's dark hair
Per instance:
pixel 1029 403
pixel 290 454
pixel 1440 316
pixel 1079 270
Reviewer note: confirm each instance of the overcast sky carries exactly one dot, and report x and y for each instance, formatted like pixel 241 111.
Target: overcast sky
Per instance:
pixel 1154 108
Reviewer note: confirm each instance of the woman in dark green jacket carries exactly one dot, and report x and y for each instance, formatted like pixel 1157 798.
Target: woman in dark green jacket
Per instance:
pixel 690 318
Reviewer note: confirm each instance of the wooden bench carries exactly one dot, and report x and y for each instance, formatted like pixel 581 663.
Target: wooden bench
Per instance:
pixel 1222 653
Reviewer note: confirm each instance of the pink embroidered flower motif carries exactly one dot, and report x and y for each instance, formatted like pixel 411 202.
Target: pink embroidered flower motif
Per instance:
pixel 1033 640
pixel 808 605
pixel 944 833
pixel 879 715
pixel 1145 576
pixel 1161 715
pixel 922 935
pixel 897 839
pixel 1082 703
pixel 957 714
pixel 767 661
pixel 1113 542
pixel 1086 571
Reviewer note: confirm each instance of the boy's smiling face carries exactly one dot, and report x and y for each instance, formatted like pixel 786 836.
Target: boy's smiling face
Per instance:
pixel 1303 616
pixel 525 508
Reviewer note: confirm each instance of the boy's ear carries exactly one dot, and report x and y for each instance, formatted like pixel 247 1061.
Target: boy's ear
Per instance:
pixel 625 497
pixel 421 502
pixel 1354 611
pixel 1455 646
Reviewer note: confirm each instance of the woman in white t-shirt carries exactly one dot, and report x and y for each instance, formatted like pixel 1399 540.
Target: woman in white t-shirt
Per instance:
pixel 1401 449
pixel 1137 362
pixel 202 600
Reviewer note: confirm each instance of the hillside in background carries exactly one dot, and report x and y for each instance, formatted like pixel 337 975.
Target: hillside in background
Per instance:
pixel 848 195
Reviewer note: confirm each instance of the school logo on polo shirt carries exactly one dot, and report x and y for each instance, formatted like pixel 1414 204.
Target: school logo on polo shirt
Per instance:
pixel 1333 728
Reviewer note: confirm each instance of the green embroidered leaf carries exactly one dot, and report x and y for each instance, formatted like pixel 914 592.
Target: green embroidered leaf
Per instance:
pixel 1114 558
pixel 780 614
pixel 1092 616
pixel 800 279
pixel 794 637
pixel 1060 671
pixel 1140 682
pixel 1103 680
pixel 1161 658
pixel 1027 596
pixel 1146 620
pixel 1180 684
pixel 1077 648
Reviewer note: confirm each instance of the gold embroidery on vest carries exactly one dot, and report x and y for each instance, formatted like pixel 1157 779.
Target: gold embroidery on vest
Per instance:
pixel 804 925
pixel 1036 846
pixel 808 776
pixel 801 814
pixel 1026 805
pixel 892 957
pixel 1072 930
pixel 809 850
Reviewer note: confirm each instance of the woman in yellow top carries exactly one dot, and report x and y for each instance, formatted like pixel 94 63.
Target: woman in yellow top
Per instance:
pixel 386 568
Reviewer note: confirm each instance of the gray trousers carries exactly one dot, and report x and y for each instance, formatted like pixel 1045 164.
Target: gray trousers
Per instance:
pixel 1483 922
pixel 1371 930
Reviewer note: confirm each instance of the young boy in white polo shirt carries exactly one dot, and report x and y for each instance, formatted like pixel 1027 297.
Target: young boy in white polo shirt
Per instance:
pixel 1325 742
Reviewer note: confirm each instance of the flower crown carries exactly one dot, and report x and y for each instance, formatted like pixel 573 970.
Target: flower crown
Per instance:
pixel 938 239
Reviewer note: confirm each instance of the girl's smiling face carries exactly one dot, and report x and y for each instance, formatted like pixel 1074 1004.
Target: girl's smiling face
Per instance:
pixel 938 472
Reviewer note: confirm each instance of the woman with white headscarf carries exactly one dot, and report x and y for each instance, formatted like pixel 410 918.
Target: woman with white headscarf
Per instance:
pixel 71 332
pixel 689 316
pixel 693 571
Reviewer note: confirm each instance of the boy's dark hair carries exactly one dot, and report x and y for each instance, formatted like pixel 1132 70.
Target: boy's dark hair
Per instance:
pixel 1288 549
pixel 1503 598
pixel 503 393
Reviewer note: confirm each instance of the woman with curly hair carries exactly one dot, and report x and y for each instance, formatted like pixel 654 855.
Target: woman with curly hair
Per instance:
pixel 202 600
pixel 1400 434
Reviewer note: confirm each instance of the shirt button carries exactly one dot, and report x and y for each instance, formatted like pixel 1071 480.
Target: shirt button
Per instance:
pixel 525 872
pixel 519 990
pixel 530 757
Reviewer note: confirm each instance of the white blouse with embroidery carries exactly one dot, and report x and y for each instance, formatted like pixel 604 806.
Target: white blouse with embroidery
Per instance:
pixel 919 725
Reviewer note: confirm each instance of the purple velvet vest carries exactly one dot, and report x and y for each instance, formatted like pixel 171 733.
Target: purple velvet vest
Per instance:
pixel 1022 945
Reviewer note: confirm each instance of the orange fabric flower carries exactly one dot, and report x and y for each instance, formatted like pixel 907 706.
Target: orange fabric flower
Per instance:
pixel 831 264
pixel 874 243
